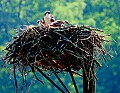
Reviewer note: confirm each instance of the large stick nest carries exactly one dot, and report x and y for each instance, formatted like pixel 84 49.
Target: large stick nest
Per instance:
pixel 55 48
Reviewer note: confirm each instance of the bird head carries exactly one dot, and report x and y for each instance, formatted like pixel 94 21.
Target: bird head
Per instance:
pixel 38 21
pixel 66 22
pixel 47 12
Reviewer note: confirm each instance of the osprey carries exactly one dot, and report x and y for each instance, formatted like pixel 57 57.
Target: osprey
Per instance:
pixel 48 18
pixel 59 23
pixel 39 22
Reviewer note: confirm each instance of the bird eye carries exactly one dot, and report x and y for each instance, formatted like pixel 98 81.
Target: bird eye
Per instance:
pixel 38 21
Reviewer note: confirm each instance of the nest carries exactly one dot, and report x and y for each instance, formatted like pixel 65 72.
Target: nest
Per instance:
pixel 56 48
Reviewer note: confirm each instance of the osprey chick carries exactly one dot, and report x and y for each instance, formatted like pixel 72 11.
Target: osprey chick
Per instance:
pixel 59 23
pixel 41 23
pixel 48 18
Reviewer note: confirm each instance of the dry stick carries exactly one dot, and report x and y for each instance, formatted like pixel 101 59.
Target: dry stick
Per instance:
pixel 37 77
pixel 61 82
pixel 71 75
pixel 66 39
pixel 49 79
pixel 15 80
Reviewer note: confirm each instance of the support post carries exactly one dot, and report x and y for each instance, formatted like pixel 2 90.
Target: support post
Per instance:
pixel 89 80
pixel 89 83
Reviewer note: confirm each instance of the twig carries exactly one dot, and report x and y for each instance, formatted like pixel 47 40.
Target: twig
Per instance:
pixel 61 82
pixel 48 79
pixel 71 75
pixel 15 79
pixel 36 76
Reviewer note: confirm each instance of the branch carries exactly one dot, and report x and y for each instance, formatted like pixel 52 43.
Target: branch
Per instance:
pixel 48 79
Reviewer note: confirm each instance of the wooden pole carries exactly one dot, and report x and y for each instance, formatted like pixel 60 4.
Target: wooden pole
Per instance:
pixel 89 83
pixel 89 80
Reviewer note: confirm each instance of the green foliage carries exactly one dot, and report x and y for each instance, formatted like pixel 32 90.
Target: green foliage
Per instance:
pixel 103 14
pixel 65 11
